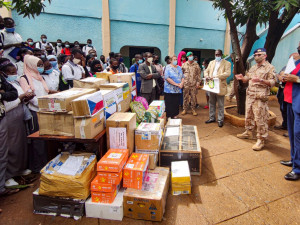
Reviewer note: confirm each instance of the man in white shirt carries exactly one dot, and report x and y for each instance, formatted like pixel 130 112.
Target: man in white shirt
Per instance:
pixel 221 69
pixel 58 47
pixel 88 47
pixel 43 43
pixel 9 39
pixel 73 68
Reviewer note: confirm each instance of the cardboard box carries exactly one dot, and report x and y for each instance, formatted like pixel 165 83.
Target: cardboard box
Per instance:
pixel 110 105
pixel 180 178
pixel 181 143
pixel 61 101
pixel 148 137
pixel 58 206
pixel 102 187
pixel 174 122
pixel 133 94
pixel 68 175
pixel 87 105
pixel 109 177
pixel 164 116
pixel 113 161
pixel 51 123
pixel 88 128
pixel 124 78
pixel 113 211
pixel 153 158
pixel 159 105
pixel 89 82
pixel 104 197
pixel 135 170
pixel 103 75
pixel 150 202
pixel 120 131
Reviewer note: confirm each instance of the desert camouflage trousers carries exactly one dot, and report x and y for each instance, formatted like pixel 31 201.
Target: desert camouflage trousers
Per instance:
pixel 257 113
pixel 189 96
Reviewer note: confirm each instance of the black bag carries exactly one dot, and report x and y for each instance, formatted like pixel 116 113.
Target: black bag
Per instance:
pixel 64 85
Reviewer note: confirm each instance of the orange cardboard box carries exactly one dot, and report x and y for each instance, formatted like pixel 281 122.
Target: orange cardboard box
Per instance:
pixel 104 197
pixel 109 178
pixel 135 170
pixel 102 187
pixel 113 161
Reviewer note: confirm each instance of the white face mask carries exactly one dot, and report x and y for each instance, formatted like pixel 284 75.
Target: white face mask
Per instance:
pixel 76 61
pixel 218 58
pixel 150 60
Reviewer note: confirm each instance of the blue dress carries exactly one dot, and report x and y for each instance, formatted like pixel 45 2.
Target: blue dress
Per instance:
pixel 174 73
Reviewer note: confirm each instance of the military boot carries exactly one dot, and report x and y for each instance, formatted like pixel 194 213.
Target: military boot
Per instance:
pixel 194 113
pixel 248 134
pixel 183 112
pixel 259 145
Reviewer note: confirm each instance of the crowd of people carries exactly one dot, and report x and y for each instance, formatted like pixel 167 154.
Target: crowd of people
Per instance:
pixel 33 69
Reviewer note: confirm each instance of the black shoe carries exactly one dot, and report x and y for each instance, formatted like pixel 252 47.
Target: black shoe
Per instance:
pixel 210 121
pixel 292 176
pixel 286 163
pixel 285 135
pixel 280 127
pixel 220 123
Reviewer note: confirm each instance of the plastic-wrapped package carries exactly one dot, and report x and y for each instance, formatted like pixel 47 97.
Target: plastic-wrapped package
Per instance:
pixel 181 143
pixel 139 110
pixel 68 176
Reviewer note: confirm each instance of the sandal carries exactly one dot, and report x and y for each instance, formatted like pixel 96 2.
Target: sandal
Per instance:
pixel 9 192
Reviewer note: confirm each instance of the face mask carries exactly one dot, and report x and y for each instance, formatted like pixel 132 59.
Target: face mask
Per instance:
pixel 12 78
pixel 174 63
pixel 53 63
pixel 10 30
pixel 218 58
pixel 58 44
pixel 44 39
pixel 90 45
pixel 30 43
pixel 43 56
pixel 76 61
pixel 121 60
pixel 76 45
pixel 191 58
pixel 1 26
pixel 196 61
pixel 115 67
pixel 40 69
pixel 156 61
pixel 140 61
pixel 67 46
pixel 258 59
pixel 49 71
pixel 150 60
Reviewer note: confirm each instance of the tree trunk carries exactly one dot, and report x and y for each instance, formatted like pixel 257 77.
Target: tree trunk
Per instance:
pixel 277 27
pixel 238 62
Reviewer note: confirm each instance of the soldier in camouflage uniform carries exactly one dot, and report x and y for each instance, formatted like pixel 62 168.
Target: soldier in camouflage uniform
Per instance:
pixel 261 77
pixel 192 75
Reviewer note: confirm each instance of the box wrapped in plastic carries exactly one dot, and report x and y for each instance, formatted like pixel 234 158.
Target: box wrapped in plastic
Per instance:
pixel 68 176
pixel 181 143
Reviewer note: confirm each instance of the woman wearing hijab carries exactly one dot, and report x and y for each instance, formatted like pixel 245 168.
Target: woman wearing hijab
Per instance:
pixel 17 155
pixel 96 67
pixel 181 58
pixel 53 60
pixel 32 81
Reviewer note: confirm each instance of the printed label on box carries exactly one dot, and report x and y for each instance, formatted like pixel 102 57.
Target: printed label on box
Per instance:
pixel 129 166
pixel 114 155
pixel 54 106
pixel 146 136
pixel 118 137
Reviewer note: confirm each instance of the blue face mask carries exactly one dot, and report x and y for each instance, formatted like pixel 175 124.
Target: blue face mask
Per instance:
pixel 40 69
pixel 30 43
pixel 191 58
pixel 44 39
pixel 141 61
pixel 53 63
pixel 121 60
pixel 218 58
pixel 48 71
pixel 43 56
pixel 10 30
pixel 174 63
pixel 11 78
pixel 90 45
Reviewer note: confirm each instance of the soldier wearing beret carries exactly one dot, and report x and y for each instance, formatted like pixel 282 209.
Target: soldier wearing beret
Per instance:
pixel 261 78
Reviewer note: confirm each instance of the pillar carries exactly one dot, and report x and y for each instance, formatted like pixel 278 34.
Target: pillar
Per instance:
pixel 172 27
pixel 227 41
pixel 106 45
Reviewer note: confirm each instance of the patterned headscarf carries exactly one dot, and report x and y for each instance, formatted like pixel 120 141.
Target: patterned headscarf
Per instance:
pixel 179 62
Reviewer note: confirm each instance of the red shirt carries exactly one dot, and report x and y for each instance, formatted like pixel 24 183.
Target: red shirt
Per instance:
pixel 66 51
pixel 288 88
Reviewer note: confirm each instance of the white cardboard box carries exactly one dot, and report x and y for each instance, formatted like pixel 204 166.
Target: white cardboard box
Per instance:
pixel 113 211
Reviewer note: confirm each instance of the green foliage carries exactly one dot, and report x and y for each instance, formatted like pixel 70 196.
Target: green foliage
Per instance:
pixel 258 10
pixel 26 8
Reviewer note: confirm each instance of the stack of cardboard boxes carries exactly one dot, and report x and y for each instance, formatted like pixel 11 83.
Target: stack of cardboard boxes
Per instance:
pixel 106 184
pixel 55 112
pixel 180 178
pixel 125 78
pixel 90 82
